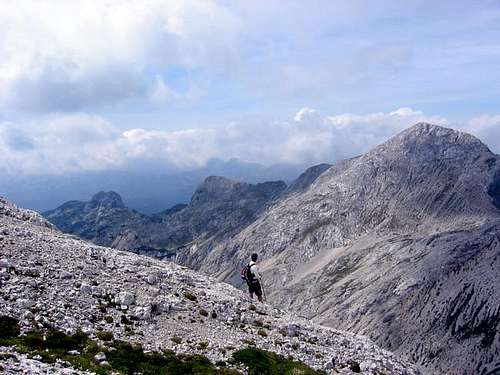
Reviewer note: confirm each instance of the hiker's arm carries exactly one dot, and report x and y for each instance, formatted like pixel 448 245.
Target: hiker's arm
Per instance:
pixel 256 272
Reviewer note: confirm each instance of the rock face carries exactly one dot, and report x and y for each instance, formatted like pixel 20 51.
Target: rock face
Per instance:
pixel 401 244
pixel 101 220
pixel 219 208
pixel 49 279
pixel 305 180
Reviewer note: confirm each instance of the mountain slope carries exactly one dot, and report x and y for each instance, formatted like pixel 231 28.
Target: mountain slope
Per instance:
pixel 401 244
pixel 50 279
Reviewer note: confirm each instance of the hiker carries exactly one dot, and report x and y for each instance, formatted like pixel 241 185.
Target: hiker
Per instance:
pixel 250 273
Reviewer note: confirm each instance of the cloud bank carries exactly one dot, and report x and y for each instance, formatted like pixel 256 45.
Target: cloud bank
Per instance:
pixel 66 55
pixel 62 143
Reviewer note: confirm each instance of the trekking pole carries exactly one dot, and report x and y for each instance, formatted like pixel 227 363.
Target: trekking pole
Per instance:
pixel 263 290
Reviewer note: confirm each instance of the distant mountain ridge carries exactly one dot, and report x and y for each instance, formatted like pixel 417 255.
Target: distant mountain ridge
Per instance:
pixel 218 207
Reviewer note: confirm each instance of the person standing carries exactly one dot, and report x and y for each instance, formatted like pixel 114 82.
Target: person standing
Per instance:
pixel 253 278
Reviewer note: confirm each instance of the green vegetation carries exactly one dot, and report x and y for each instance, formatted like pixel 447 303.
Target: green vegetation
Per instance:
pixel 354 366
pixel 105 335
pixel 125 358
pixel 8 327
pixel 260 362
pixel 176 339
pixel 130 359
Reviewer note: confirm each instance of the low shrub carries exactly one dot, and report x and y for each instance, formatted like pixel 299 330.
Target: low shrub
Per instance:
pixel 105 335
pixel 176 339
pixel 8 327
pixel 261 362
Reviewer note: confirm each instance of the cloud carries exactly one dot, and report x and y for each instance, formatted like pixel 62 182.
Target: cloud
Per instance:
pixel 62 56
pixel 61 143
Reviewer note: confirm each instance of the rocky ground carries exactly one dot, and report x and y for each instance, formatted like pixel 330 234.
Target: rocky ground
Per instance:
pixel 50 279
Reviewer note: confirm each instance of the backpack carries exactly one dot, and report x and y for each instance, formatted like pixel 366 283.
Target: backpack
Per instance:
pixel 246 274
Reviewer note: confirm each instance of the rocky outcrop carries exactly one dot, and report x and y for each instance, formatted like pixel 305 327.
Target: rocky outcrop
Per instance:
pixel 9 209
pixel 400 244
pixel 49 279
pixel 305 180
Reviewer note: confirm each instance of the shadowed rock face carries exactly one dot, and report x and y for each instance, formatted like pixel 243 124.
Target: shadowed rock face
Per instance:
pixel 401 244
pixel 101 220
pixel 305 180
pixel 218 208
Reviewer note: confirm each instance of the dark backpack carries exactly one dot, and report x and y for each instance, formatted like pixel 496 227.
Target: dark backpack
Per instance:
pixel 246 274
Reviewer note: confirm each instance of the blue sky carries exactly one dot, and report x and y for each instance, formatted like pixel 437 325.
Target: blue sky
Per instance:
pixel 106 84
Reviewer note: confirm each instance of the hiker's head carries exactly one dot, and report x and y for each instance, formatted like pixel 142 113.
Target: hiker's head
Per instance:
pixel 254 257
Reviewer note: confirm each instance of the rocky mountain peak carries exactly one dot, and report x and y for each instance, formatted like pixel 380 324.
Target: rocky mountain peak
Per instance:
pixel 216 188
pixel 108 199
pixel 424 138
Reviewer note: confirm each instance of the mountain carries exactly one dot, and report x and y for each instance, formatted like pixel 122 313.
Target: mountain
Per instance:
pixel 100 220
pixel 401 244
pixel 66 302
pixel 219 208
pixel 145 188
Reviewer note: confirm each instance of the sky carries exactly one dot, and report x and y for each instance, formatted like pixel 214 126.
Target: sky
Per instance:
pixel 119 85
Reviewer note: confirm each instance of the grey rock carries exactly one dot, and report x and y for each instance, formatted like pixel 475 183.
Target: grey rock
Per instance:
pixel 66 275
pixel 100 357
pixel 86 289
pixel 4 263
pixel 125 298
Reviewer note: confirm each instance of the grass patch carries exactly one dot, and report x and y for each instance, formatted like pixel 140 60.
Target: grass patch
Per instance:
pixel 105 335
pixel 8 327
pixel 260 362
pixel 124 358
pixel 176 339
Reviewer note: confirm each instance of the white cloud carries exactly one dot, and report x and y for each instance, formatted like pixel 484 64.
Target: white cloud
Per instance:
pixel 82 142
pixel 63 55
